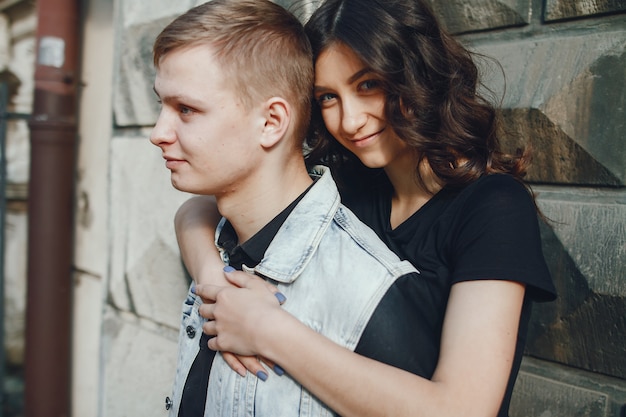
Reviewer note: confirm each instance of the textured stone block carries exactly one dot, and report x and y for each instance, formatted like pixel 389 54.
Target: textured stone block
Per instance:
pixel 157 284
pixel 540 396
pixel 567 97
pixel 135 103
pixel 139 366
pixel 546 389
pixel 585 247
pixel 556 157
pixel 140 22
pixel 566 9
pixel 461 16
pixel 146 275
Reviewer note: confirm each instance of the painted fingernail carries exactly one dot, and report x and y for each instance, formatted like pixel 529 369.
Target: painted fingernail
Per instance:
pixel 261 375
pixel 228 268
pixel 281 297
pixel 279 371
pixel 193 289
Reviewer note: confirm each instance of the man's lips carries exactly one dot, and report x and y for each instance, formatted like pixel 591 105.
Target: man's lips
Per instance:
pixel 171 163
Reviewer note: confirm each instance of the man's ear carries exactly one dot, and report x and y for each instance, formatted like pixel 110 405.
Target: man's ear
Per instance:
pixel 277 121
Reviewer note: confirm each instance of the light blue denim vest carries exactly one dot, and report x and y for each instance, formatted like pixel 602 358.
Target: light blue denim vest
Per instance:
pixel 333 270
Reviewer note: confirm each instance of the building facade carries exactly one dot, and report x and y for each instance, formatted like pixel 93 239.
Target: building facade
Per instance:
pixel 561 76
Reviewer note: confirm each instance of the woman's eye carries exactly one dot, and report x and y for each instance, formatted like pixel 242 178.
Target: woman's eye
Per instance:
pixel 369 85
pixel 325 98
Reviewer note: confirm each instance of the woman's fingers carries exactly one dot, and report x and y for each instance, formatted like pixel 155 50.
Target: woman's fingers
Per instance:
pixel 252 364
pixel 277 368
pixel 245 280
pixel 207 310
pixel 242 364
pixel 236 312
pixel 207 292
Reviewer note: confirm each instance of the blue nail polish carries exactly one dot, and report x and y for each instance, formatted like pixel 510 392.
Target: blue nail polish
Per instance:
pixel 281 297
pixel 193 288
pixel 279 371
pixel 261 375
pixel 228 268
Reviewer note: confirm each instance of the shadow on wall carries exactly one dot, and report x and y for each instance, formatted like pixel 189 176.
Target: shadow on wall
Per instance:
pixel 581 328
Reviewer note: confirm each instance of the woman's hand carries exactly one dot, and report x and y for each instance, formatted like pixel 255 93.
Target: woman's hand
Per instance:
pixel 242 364
pixel 236 313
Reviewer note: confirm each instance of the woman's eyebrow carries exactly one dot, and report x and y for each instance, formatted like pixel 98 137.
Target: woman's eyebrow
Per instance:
pixel 360 73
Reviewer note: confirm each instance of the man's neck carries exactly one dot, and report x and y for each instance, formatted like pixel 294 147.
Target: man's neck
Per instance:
pixel 250 209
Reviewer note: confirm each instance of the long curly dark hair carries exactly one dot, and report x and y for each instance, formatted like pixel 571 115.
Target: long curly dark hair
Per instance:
pixel 431 83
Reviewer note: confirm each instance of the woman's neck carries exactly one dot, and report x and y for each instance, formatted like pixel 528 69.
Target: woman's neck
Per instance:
pixel 409 195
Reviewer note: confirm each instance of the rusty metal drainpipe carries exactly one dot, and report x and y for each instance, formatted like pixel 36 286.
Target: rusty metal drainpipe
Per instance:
pixel 53 134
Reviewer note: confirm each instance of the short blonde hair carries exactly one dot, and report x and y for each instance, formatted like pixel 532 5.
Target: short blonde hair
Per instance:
pixel 260 44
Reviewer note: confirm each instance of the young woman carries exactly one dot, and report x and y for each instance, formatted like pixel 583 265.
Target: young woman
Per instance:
pixel 415 150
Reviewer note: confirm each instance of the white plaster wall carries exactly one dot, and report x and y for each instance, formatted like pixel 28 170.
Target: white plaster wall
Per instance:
pixel 91 212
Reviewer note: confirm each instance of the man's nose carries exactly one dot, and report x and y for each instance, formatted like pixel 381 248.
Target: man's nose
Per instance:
pixel 163 132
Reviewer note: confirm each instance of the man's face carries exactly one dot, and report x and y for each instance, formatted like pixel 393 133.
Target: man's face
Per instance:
pixel 207 136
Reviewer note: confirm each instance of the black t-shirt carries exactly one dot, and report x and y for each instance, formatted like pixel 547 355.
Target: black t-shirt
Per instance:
pixel 488 230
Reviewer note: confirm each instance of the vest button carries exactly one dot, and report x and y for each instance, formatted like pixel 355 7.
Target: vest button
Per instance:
pixel 191 332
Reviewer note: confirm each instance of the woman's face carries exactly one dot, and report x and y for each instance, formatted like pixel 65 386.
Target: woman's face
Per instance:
pixel 352 102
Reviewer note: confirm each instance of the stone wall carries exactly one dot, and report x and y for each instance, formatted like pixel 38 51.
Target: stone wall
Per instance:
pixel 564 69
pixel 564 94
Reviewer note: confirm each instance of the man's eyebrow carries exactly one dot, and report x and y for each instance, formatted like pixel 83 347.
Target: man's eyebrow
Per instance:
pixel 195 102
pixel 170 98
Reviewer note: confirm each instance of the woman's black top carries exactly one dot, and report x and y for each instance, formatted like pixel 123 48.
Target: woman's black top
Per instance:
pixel 485 231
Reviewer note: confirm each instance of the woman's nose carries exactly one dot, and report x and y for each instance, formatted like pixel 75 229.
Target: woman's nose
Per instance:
pixel 353 119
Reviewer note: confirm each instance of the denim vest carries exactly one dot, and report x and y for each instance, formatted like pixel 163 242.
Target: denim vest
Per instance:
pixel 333 270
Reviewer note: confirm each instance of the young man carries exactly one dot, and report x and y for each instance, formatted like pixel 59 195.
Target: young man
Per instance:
pixel 235 79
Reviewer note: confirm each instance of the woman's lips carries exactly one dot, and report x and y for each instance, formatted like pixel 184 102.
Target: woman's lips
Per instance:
pixel 366 140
